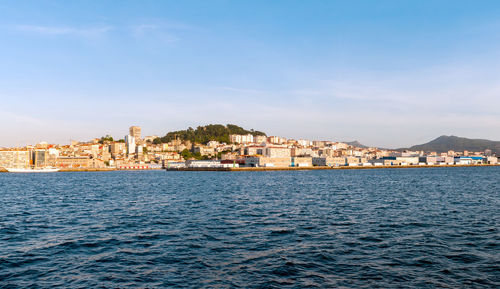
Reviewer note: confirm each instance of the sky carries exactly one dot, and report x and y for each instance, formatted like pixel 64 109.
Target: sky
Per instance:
pixel 386 73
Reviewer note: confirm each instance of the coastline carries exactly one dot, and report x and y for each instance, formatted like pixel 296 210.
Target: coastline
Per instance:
pixel 103 170
pixel 263 169
pixel 259 169
pixel 3 170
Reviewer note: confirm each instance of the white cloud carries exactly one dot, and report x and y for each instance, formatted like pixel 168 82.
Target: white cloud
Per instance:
pixel 65 30
pixel 241 90
pixel 166 32
pixel 461 87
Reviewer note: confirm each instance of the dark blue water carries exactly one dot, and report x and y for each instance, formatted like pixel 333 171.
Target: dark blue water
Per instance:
pixel 425 228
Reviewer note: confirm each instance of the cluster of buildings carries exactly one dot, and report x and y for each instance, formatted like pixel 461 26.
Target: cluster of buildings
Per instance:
pixel 131 152
pixel 280 152
pixel 137 152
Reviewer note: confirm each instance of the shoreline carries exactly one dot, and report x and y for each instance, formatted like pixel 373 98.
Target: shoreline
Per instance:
pixel 263 169
pixel 104 170
pixel 259 169
pixel 2 170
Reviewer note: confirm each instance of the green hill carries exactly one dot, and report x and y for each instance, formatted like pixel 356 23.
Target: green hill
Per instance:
pixel 204 134
pixel 445 143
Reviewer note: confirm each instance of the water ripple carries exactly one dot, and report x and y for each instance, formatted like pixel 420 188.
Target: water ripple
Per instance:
pixel 418 228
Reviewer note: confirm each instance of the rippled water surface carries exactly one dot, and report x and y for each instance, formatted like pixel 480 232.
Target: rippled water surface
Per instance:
pixel 426 227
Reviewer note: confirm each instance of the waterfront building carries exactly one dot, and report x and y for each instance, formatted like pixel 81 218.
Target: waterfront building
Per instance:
pixel 351 160
pixel 268 161
pixel 436 160
pixel 492 160
pixel 386 161
pixel 15 159
pixel 329 161
pixel 39 158
pixel 277 152
pixel 407 160
pixel 234 163
pixel 301 162
pixel 203 164
pixel 258 161
pixel 74 162
pixel 167 164
pixel 469 160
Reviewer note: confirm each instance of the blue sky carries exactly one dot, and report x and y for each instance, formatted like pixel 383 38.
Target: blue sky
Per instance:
pixel 386 73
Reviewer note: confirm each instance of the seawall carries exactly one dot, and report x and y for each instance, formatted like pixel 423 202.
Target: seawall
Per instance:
pixel 259 169
pixel 3 170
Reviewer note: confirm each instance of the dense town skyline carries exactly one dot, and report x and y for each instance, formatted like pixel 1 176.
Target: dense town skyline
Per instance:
pixel 231 146
pixel 385 73
pixel 121 136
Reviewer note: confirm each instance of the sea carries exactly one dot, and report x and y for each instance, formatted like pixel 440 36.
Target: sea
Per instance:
pixel 374 228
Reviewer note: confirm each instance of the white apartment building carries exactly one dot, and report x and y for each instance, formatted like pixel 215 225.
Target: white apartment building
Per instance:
pixel 241 139
pixel 304 142
pixel 276 140
pixel 130 143
pixel 260 139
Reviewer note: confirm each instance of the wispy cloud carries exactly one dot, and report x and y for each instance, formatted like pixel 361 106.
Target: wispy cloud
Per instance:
pixel 65 30
pixel 433 90
pixel 154 30
pixel 144 28
pixel 161 25
pixel 241 90
pixel 165 31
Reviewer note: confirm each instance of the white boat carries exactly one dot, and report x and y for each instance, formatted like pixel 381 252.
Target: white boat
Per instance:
pixel 29 170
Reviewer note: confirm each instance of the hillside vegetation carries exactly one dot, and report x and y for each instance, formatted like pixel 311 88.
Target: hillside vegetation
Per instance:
pixel 204 134
pixel 445 143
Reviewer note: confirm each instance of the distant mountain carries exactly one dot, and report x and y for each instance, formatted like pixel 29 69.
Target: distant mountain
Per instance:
pixel 445 143
pixel 356 144
pixel 204 134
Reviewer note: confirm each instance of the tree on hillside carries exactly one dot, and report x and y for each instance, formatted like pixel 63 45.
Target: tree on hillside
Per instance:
pixel 204 134
pixel 105 138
